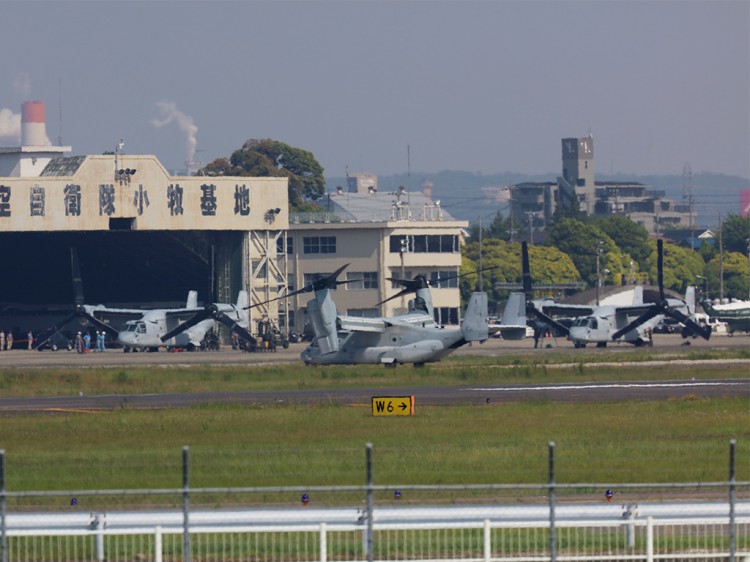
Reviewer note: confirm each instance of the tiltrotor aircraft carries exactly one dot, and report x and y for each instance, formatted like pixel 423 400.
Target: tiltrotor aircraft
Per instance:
pixel 184 327
pixel 607 323
pixel 151 329
pixel 413 337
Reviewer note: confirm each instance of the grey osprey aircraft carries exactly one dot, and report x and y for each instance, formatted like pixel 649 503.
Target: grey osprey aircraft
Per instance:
pixel 154 328
pixel 413 337
pixel 607 323
pixel 184 327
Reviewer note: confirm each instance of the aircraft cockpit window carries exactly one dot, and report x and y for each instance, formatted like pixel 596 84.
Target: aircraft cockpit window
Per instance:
pixel 136 327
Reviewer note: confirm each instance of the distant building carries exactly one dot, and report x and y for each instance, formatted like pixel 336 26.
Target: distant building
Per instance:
pixel 381 235
pixel 534 203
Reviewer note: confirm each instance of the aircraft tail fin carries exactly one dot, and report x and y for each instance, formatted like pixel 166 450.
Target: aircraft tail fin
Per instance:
pixel 192 300
pixel 638 295
pixel 242 300
pixel 515 310
pixel 690 299
pixel 474 326
pixel 322 311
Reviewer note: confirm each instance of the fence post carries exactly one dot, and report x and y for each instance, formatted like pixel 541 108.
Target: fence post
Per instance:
pixel 158 554
pixel 649 539
pixel 552 538
pixel 370 553
pixel 732 484
pixel 4 544
pixel 323 543
pixel 185 506
pixel 487 541
pixel 96 525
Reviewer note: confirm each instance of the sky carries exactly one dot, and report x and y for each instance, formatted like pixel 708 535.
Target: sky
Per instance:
pixel 389 87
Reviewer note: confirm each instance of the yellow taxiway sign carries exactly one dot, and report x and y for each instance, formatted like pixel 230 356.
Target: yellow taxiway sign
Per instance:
pixel 393 406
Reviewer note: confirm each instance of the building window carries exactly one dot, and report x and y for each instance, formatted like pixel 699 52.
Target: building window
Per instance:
pixel 446 316
pixel 444 280
pixel 319 244
pixel 362 280
pixel 289 246
pixel 397 275
pixel 424 243
pixel 310 278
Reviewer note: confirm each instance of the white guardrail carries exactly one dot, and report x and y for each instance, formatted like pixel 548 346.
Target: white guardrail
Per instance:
pixel 584 532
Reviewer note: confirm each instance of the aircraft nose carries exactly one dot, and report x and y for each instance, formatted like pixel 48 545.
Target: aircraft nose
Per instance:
pixel 125 338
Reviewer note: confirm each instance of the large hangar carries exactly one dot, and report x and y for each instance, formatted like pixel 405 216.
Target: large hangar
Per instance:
pixel 143 237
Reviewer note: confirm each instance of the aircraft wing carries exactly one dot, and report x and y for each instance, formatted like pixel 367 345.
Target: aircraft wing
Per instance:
pixel 181 312
pixel 357 324
pixel 569 310
pixel 633 309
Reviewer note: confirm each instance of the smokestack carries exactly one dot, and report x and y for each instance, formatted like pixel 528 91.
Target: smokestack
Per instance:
pixel 33 127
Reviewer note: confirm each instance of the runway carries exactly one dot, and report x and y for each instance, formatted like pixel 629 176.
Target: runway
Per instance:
pixel 424 396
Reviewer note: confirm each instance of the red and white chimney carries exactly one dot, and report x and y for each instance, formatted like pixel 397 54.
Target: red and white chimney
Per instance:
pixel 33 126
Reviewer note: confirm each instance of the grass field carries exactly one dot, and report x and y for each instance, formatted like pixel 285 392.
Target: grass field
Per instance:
pixel 679 440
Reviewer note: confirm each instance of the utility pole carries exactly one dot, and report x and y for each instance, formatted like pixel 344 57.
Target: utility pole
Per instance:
pixel 530 215
pixel 599 245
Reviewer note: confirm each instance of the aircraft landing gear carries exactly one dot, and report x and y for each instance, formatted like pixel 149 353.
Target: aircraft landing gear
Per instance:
pixel 601 344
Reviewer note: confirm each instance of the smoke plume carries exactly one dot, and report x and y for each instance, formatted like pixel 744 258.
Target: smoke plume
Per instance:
pixel 170 114
pixel 10 124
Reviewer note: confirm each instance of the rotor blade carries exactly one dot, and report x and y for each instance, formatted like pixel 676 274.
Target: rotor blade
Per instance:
pixel 660 267
pixel 95 321
pixel 532 310
pixel 642 319
pixel 199 317
pixel 690 324
pixel 235 327
pixel 77 280
pixel 328 282
pixel 397 295
pixel 526 270
pixel 68 319
pixel 459 275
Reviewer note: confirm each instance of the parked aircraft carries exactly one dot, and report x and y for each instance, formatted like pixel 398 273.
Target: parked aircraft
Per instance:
pixel 184 327
pixel 512 325
pixel 735 313
pixel 151 329
pixel 413 337
pixel 603 324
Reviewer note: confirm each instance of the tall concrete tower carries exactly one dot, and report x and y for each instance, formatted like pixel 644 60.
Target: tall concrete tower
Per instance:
pixel 33 124
pixel 577 179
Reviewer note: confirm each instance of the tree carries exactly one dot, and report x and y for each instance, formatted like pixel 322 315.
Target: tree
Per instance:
pixel 547 264
pixel 499 228
pixel 583 242
pixel 630 237
pixel 681 266
pixel 735 234
pixel 270 158
pixel 735 275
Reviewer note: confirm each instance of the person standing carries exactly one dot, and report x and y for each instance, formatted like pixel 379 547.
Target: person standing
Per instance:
pixel 30 337
pixel 9 339
pixel 87 341
pixel 2 340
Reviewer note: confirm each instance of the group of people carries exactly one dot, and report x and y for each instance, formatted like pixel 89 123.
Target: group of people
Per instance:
pixel 6 341
pixel 83 342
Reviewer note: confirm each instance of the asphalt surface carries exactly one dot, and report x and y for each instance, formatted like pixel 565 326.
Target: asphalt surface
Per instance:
pixel 486 395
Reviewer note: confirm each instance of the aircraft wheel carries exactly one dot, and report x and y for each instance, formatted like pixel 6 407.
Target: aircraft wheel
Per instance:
pixel 391 365
pixel 53 347
pixel 579 345
pixel 418 365
pixel 601 344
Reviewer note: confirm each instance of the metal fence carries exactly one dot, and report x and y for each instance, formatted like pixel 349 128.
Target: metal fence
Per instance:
pixel 471 523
